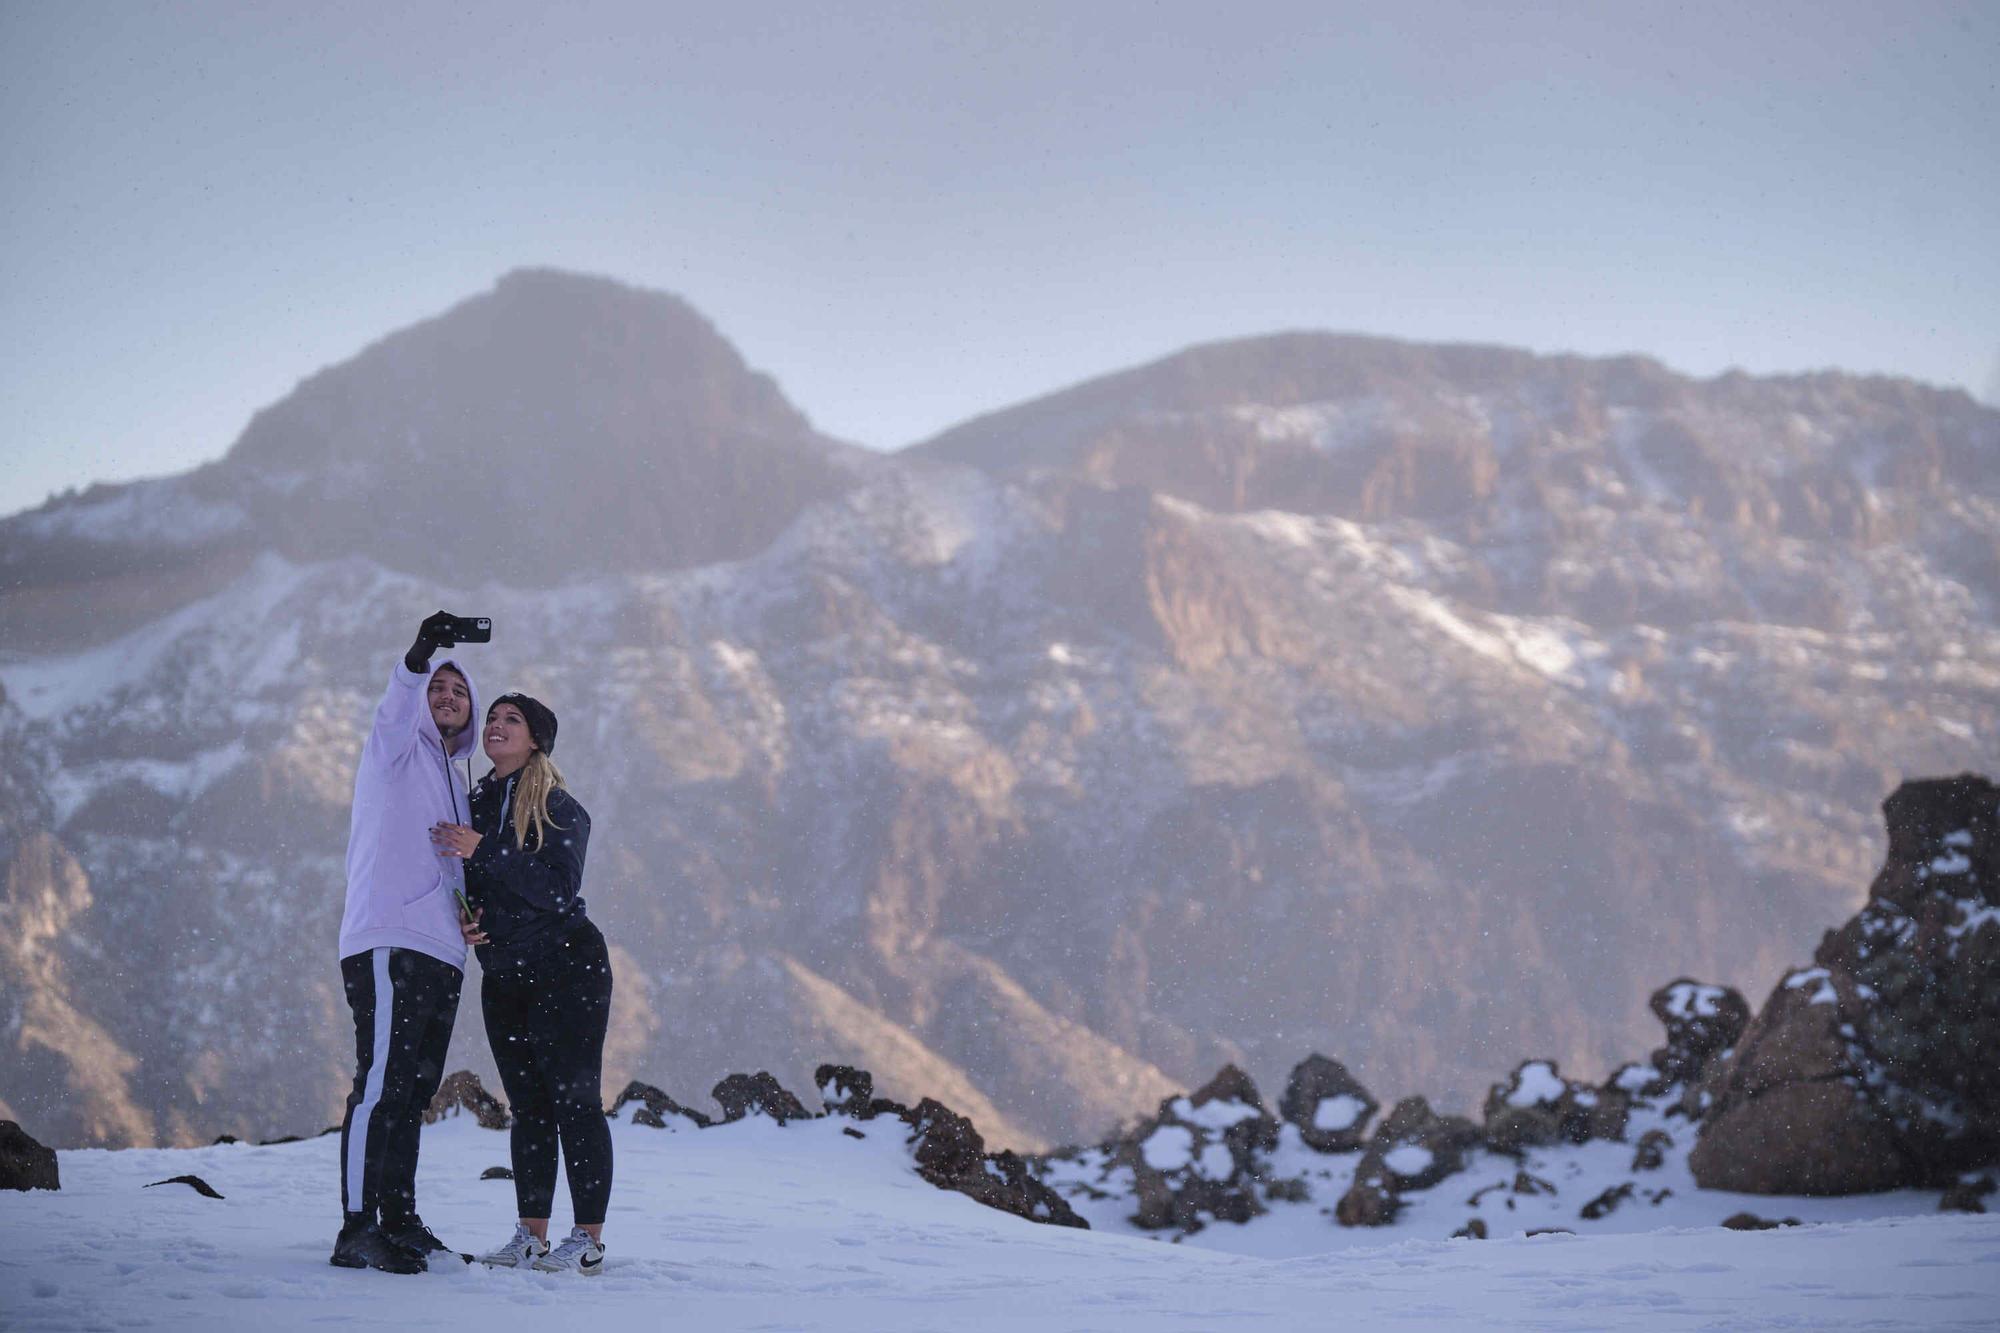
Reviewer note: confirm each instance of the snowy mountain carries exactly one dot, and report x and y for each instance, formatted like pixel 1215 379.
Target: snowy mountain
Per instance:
pixel 1424 706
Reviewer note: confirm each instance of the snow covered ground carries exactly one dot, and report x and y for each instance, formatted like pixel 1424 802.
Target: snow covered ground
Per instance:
pixel 754 1226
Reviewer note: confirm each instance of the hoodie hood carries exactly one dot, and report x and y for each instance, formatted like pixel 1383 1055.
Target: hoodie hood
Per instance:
pixel 466 743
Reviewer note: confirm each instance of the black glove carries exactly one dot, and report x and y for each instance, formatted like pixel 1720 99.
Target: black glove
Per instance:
pixel 433 634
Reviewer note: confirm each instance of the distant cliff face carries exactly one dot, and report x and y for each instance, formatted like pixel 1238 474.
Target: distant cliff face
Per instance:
pixel 1613 491
pixel 1422 706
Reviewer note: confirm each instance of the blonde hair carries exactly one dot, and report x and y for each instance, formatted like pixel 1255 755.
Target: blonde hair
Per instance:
pixel 539 777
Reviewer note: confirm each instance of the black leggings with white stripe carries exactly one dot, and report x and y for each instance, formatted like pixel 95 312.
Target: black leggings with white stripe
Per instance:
pixel 546 1018
pixel 404 1003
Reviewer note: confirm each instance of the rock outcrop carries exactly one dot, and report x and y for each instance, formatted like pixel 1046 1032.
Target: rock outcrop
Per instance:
pixel 760 1093
pixel 846 1090
pixel 1200 1158
pixel 1871 1069
pixel 947 1148
pixel 1416 1147
pixel 1328 1105
pixel 1651 1152
pixel 1371 1201
pixel 1702 1022
pixel 1967 1196
pixel 951 1155
pixel 462 1091
pixel 24 1163
pixel 1413 1148
pixel 656 1108
pixel 1789 1114
pixel 1536 1106
pixel 1874 1069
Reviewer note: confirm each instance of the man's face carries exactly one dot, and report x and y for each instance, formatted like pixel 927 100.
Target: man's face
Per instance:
pixel 451 702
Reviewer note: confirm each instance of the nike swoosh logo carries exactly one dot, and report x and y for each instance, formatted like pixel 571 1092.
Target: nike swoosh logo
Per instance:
pixel 590 1263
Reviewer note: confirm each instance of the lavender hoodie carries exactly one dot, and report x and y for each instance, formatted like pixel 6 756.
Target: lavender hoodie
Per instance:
pixel 399 890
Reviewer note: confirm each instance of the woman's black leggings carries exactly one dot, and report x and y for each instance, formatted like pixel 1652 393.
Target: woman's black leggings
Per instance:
pixel 546 1019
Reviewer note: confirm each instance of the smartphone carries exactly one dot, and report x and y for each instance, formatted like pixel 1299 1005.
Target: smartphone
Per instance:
pixel 472 629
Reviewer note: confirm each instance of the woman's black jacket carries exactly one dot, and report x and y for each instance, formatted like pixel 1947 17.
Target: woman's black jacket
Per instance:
pixel 528 897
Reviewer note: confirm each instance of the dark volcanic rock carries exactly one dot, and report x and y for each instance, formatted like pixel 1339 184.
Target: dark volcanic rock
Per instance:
pixel 195 1183
pixel 497 1173
pixel 658 1107
pixel 741 1094
pixel 1651 1154
pixel 948 1146
pixel 1230 1102
pixel 1967 1196
pixel 845 1089
pixel 1752 1222
pixel 1524 1111
pixel 1702 1021
pixel 1925 955
pixel 1595 1113
pixel 1414 1147
pixel 951 1154
pixel 1789 1112
pixel 1472 1230
pixel 24 1163
pixel 1537 1106
pixel 1293 1189
pixel 1531 1185
pixel 1607 1202
pixel 1006 1183
pixel 464 1091
pixel 1874 1069
pixel 1202 1156
pixel 1371 1201
pixel 1328 1105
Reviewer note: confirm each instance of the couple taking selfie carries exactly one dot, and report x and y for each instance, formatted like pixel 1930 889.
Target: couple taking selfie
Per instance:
pixel 436 866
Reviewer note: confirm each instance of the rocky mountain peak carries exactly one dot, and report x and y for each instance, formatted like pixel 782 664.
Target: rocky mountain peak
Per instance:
pixel 553 413
pixel 545 365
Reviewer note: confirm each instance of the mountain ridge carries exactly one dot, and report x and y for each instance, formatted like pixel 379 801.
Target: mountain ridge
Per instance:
pixel 963 771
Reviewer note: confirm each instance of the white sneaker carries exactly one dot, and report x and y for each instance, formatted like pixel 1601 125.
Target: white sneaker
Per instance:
pixel 520 1252
pixel 578 1254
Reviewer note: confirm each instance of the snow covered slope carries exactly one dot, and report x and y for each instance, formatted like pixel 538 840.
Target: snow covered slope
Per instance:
pixel 753 1226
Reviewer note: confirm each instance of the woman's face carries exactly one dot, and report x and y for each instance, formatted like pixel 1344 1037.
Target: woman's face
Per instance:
pixel 508 743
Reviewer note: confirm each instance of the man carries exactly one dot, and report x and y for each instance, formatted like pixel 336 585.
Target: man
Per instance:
pixel 402 956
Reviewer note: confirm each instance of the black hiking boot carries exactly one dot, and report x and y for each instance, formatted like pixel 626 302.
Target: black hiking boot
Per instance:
pixel 366 1246
pixel 411 1233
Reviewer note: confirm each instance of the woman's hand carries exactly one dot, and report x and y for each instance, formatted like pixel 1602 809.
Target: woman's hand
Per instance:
pixel 454 840
pixel 469 927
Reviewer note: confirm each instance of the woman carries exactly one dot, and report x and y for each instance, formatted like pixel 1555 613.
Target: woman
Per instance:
pixel 546 994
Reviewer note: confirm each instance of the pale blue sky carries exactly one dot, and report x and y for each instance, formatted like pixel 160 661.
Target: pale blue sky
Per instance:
pixel 911 213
